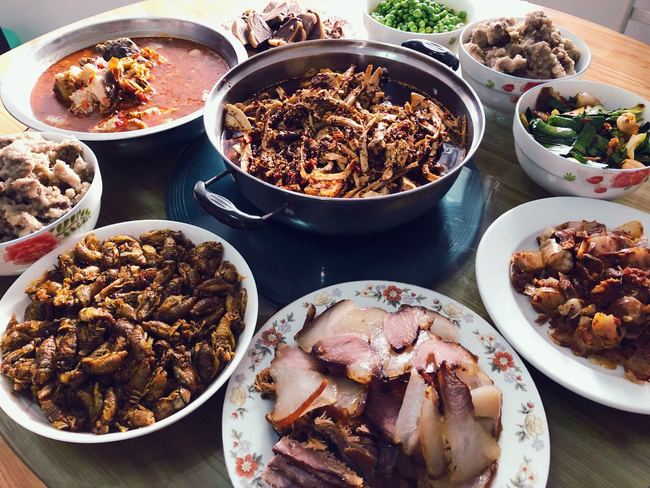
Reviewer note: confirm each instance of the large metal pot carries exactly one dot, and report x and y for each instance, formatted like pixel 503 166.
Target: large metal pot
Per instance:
pixel 25 70
pixel 336 215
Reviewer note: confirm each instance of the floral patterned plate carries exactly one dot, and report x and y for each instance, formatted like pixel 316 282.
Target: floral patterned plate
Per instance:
pixel 248 438
pixel 512 313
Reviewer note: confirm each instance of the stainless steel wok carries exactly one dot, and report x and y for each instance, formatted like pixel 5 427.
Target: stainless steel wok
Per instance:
pixel 24 71
pixel 336 215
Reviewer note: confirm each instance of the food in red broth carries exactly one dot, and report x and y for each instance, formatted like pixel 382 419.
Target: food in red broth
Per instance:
pixel 126 84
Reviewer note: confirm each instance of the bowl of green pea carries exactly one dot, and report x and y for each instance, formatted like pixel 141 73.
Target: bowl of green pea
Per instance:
pixel 396 21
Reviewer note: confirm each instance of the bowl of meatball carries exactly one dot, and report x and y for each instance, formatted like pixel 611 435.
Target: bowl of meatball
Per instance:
pixel 50 189
pixel 505 57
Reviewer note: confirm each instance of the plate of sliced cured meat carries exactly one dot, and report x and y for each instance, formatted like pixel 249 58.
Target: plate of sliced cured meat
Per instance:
pixel 567 282
pixel 378 384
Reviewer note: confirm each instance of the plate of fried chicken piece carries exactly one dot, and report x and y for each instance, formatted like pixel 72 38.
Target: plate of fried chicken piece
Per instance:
pixel 567 282
pixel 379 384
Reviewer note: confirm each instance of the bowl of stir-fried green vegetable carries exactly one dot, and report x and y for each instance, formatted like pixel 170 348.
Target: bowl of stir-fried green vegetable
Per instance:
pixel 583 138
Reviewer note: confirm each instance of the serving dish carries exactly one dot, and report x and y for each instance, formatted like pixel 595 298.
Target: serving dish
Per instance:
pixel 383 33
pixel 524 441
pixel 425 254
pixel 335 215
pixel 22 74
pixel 511 311
pixel 501 91
pixel 18 254
pixel 562 176
pixel 28 414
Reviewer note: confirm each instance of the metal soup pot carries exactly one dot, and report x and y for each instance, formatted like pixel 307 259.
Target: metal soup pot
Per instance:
pixel 24 71
pixel 336 215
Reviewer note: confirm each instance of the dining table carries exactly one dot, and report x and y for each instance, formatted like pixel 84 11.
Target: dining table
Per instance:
pixel 591 445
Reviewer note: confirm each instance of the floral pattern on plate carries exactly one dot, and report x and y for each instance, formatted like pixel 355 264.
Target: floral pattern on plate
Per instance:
pixel 525 431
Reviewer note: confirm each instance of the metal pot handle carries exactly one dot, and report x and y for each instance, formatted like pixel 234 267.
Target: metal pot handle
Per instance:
pixel 225 211
pixel 435 51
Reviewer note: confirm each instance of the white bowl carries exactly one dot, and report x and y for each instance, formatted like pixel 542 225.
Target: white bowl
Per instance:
pixel 380 32
pixel 501 91
pixel 562 176
pixel 28 414
pixel 18 254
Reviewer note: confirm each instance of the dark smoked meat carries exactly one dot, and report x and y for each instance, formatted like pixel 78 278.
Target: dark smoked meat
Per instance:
pixel 275 13
pixel 318 30
pixel 258 30
pixel 291 31
pixel 318 466
pixel 355 444
pixel 117 48
pixel 282 22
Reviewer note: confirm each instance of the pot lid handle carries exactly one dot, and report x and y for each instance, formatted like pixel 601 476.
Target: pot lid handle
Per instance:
pixel 433 50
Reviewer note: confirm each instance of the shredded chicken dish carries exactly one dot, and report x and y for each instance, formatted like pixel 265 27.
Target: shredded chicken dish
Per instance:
pixel 40 181
pixel 370 398
pixel 533 48
pixel 125 332
pixel 593 286
pixel 338 135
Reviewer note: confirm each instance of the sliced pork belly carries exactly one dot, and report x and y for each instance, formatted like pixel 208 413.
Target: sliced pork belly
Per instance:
pixel 407 431
pixel 350 396
pixel 321 465
pixel 344 317
pixel 299 388
pixel 443 327
pixel 473 376
pixel 294 357
pixel 472 449
pixel 430 354
pixel 402 327
pixel 431 441
pixel 396 363
pixel 487 401
pixel 352 353
pixel 486 397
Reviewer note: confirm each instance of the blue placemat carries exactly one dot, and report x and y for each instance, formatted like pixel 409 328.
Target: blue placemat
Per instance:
pixel 288 263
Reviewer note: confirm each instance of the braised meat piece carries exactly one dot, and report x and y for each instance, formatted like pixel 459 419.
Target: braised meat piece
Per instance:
pixel 291 31
pixel 117 48
pixel 118 79
pixel 282 22
pixel 258 30
pixel 593 287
